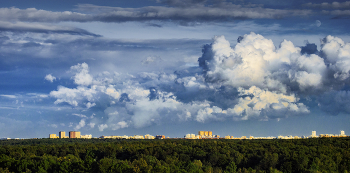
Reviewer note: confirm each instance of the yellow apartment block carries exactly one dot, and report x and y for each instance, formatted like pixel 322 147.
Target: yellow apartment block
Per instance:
pixel 62 134
pixel 206 133
pixel 74 134
pixel 53 136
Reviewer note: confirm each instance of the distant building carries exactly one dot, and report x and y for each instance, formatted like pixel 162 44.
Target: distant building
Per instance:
pixel 190 136
pixel 342 133
pixel 313 134
pixel 160 137
pixel 53 136
pixel 139 137
pixel 205 134
pixel 124 137
pixel 62 134
pixel 74 134
pixel 5 138
pixel 86 136
pixel 148 136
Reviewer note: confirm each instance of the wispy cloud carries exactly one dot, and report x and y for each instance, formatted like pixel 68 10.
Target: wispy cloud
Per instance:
pixel 9 96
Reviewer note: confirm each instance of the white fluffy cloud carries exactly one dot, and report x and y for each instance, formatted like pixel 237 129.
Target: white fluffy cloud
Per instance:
pixel 251 80
pixel 92 125
pixel 337 53
pixel 82 76
pixel 74 96
pixel 256 100
pixel 50 78
pixel 255 61
pixel 146 111
pixel 119 125
pixel 80 125
pixel 101 127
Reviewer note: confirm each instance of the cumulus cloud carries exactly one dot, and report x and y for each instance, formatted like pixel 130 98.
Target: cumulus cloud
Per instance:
pixel 50 78
pixel 80 125
pixel 89 105
pixel 253 79
pixel 257 100
pixel 255 61
pixel 82 76
pixel 101 127
pixel 73 96
pixel 119 125
pixel 337 53
pixel 92 125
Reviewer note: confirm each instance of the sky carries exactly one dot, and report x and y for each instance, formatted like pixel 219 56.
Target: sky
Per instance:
pixel 174 67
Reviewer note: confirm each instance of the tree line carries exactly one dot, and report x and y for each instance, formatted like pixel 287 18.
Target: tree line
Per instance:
pixel 175 155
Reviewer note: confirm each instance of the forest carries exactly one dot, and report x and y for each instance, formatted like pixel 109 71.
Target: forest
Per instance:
pixel 175 155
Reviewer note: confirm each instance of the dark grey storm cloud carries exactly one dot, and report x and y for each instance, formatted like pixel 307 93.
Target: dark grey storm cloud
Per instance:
pixel 335 8
pixel 180 3
pixel 333 5
pixel 178 12
pixel 42 28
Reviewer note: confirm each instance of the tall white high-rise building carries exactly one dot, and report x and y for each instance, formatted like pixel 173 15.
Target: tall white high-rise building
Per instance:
pixel 313 134
pixel 342 133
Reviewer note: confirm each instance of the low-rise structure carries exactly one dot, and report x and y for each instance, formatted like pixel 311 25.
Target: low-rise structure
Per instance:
pixel 86 136
pixel 53 136
pixel 5 138
pixel 160 137
pixel 139 137
pixel 148 136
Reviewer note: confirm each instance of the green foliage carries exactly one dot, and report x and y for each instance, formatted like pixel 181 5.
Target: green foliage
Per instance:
pixel 209 156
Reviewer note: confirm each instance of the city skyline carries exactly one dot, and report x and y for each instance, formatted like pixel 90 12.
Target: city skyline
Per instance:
pixel 171 66
pixel 201 135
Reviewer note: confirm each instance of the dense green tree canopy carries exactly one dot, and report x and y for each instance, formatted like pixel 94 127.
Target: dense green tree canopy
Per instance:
pixel 175 155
